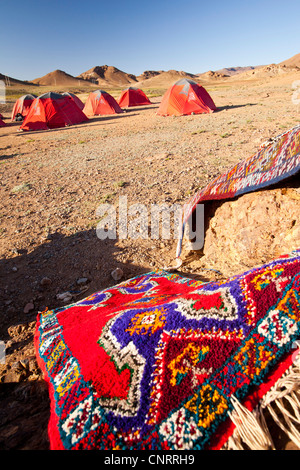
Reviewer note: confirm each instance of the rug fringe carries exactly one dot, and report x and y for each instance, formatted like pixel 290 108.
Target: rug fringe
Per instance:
pixel 286 389
pixel 251 430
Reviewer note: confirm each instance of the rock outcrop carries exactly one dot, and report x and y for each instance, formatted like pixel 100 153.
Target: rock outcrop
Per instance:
pixel 251 230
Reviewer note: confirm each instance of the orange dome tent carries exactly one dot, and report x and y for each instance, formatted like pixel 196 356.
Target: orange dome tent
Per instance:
pixel 133 97
pixel 52 110
pixel 186 97
pixel 22 106
pixel 75 98
pixel 101 102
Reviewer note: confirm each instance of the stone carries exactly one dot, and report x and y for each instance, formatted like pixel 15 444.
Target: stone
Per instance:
pixel 82 281
pixel 64 297
pixel 252 230
pixel 28 307
pixel 46 281
pixel 117 274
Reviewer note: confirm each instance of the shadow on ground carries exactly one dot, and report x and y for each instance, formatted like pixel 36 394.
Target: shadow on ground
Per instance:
pixel 233 106
pixel 36 278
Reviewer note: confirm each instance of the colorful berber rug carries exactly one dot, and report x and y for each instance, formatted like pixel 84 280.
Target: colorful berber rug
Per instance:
pixel 163 362
pixel 275 161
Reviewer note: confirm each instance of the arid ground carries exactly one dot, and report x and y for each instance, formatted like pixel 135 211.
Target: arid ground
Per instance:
pixel 52 183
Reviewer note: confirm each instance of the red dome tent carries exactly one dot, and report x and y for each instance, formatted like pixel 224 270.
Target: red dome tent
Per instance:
pixel 75 98
pixel 186 97
pixel 52 110
pixel 22 106
pixel 133 97
pixel 2 123
pixel 101 102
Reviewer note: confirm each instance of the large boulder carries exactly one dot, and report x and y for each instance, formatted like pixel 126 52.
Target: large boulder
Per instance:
pixel 251 230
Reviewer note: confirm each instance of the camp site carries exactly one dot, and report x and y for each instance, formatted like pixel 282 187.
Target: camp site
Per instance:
pixel 150 247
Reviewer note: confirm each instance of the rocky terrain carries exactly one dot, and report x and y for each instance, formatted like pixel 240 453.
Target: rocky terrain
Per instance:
pixel 53 182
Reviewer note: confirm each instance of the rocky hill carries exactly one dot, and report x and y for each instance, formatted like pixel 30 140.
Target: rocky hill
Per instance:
pixel 267 71
pixel 229 71
pixel 211 75
pixel 166 78
pixel 58 77
pixel 107 75
pixel 292 62
pixel 148 74
pixel 13 81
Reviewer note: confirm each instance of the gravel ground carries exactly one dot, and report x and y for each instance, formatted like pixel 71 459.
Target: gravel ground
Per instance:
pixel 51 186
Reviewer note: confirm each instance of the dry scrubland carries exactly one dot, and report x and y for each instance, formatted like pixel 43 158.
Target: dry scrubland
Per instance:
pixel 52 183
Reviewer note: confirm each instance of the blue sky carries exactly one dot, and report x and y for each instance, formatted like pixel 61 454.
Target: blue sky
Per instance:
pixel 39 36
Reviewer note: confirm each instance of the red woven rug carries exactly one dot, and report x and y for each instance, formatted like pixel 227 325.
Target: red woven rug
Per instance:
pixel 160 361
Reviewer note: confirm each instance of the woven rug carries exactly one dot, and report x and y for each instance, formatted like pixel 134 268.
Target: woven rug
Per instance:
pixel 164 362
pixel 275 161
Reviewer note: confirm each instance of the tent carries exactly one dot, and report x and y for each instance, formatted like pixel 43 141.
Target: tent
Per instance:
pixel 22 106
pixel 101 102
pixel 75 98
pixel 52 110
pixel 2 123
pixel 133 97
pixel 186 97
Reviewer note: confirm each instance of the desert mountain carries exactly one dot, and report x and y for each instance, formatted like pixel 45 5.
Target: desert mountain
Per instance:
pixel 107 75
pixel 166 79
pixel 229 71
pixel 266 71
pixel 148 74
pixel 292 62
pixel 59 78
pixel 13 81
pixel 211 75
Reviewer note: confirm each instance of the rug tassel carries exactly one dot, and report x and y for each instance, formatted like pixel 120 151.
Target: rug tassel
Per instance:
pixel 233 444
pixel 288 427
pixel 249 429
pixel 286 388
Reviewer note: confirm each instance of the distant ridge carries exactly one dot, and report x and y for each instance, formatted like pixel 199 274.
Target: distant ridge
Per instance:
pixel 59 78
pixel 265 71
pixel 229 71
pixel 108 76
pixel 13 81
